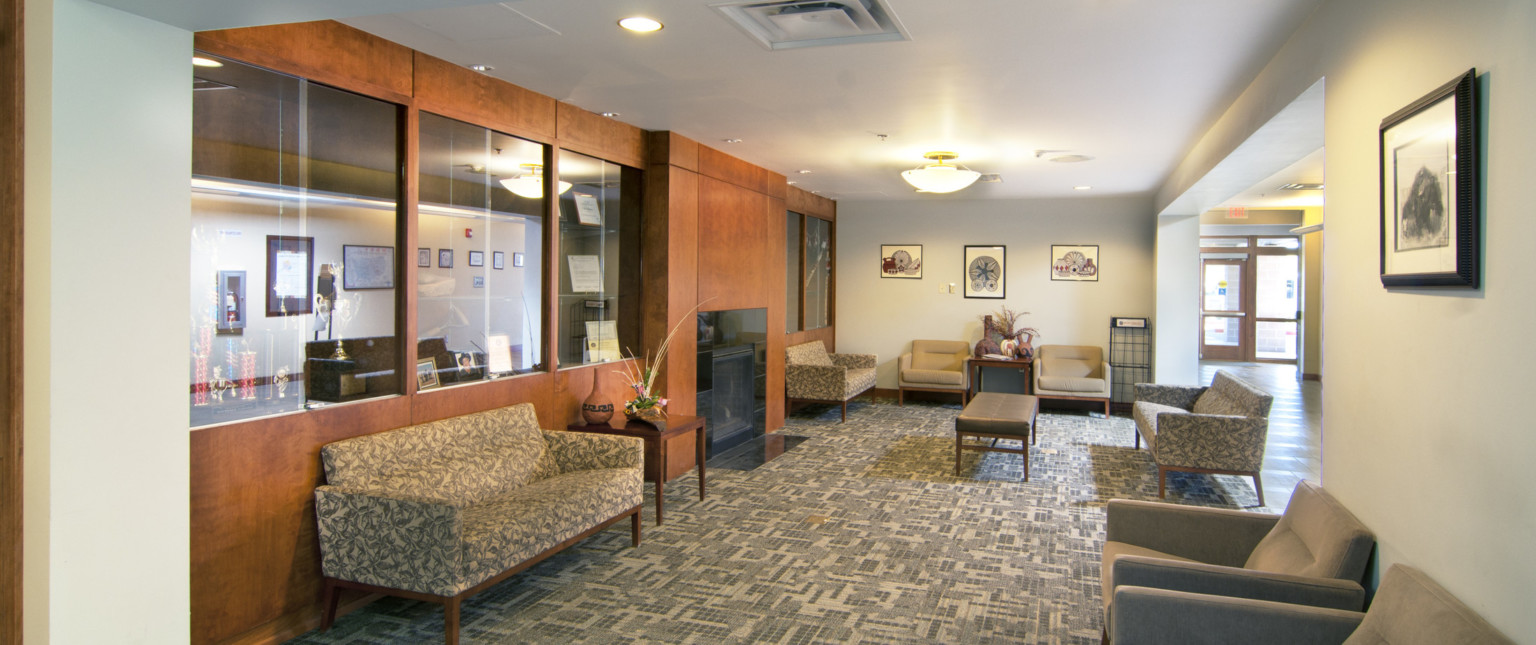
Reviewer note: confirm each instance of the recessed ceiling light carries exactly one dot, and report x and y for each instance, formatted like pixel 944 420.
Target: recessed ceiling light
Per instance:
pixel 611 115
pixel 1071 158
pixel 481 68
pixel 803 172
pixel 1082 188
pixel 793 182
pixel 640 24
pixel 731 140
pixel 200 61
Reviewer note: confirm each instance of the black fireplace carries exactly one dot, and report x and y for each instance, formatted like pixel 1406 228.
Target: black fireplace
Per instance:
pixel 732 377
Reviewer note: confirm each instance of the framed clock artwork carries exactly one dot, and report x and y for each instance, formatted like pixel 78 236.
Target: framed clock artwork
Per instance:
pixel 986 271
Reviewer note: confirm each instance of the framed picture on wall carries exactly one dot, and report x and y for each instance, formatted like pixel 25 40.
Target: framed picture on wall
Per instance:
pixel 477 258
pixel 517 259
pixel 1429 184
pixel 290 275
pixel 1075 262
pixel 424 258
pixel 445 258
pixel 901 261
pixel 367 267
pixel 498 260
pixel 986 271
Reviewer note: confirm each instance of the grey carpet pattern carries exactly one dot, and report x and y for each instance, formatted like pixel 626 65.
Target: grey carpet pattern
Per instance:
pixel 862 533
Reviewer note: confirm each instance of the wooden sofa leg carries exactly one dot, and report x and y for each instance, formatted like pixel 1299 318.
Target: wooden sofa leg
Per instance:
pixel 451 621
pixel 1258 487
pixel 634 528
pixel 901 397
pixel 328 600
pixel 845 411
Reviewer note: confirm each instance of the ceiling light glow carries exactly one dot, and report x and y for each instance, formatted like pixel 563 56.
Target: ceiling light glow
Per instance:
pixel 200 61
pixel 640 24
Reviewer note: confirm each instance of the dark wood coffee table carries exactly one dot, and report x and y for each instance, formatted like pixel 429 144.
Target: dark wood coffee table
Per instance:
pixel 656 445
pixel 975 366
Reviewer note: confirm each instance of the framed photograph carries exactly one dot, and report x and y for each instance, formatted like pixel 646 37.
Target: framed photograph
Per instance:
pixel 231 303
pixel 367 267
pixel 587 211
pixel 986 271
pixel 477 258
pixel 445 258
pixel 517 259
pixel 1429 186
pixel 901 261
pixel 290 275
pixel 498 260
pixel 1075 262
pixel 426 374
pixel 424 258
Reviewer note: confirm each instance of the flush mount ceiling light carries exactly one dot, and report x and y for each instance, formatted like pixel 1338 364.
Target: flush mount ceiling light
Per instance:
pixel 530 182
pixel 201 61
pixel 640 24
pixel 940 177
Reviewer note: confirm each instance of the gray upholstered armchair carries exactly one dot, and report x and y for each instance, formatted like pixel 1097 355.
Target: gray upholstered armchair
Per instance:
pixel 1074 372
pixel 934 366
pixel 813 375
pixel 1408 608
pixel 1314 554
pixel 1219 429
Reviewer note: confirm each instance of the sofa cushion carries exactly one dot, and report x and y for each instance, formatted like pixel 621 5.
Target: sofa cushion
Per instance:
pixel 1214 401
pixel 812 353
pixel 1069 368
pixel 860 380
pixel 1081 385
pixel 1315 537
pixel 916 376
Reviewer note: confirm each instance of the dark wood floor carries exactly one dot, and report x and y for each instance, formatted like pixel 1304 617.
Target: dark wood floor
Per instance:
pixel 1295 447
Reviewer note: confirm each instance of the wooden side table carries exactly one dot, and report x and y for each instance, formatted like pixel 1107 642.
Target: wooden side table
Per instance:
pixel 656 445
pixel 975 365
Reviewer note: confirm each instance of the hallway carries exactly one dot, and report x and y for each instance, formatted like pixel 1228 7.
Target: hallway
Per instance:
pixel 1295 440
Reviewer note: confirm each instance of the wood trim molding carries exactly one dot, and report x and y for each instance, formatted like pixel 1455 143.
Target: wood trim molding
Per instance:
pixel 11 249
pixel 804 202
pixel 324 51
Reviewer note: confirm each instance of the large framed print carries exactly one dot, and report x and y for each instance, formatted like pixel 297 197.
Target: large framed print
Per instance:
pixel 1075 262
pixel 1429 189
pixel 901 261
pixel 290 275
pixel 367 267
pixel 986 271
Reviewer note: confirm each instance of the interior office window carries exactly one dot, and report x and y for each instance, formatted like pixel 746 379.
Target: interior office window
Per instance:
pixel 818 272
pixel 793 242
pixel 479 256
pixel 294 219
pixel 599 263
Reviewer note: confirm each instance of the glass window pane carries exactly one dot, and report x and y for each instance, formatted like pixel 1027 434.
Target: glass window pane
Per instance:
pixel 1277 293
pixel 1223 242
pixel 1222 330
pixel 294 265
pixel 1223 287
pixel 1275 340
pixel 792 277
pixel 599 265
pixel 479 256
pixel 818 272
pixel 1280 242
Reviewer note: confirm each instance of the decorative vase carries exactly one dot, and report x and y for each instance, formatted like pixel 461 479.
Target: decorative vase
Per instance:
pixel 652 416
pixel 1026 348
pixel 598 408
pixel 1007 348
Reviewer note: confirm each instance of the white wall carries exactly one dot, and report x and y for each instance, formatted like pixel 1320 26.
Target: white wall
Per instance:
pixel 883 315
pixel 108 155
pixel 1176 353
pixel 1426 426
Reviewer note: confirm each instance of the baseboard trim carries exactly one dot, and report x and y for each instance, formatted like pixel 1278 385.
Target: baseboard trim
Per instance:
pixel 1312 377
pixel 290 626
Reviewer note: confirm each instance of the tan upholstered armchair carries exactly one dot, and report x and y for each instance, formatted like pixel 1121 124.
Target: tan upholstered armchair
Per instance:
pixel 813 375
pixel 1073 372
pixel 1219 429
pixel 934 366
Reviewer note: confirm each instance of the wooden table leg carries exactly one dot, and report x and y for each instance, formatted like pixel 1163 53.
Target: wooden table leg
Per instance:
pixel 698 443
pixel 661 474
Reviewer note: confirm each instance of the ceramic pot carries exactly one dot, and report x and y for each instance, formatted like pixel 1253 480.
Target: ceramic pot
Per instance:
pixel 598 408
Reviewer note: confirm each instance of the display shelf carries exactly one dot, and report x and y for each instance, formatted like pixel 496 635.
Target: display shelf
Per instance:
pixel 1130 356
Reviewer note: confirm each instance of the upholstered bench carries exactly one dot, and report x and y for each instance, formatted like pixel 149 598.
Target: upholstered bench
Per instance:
pixel 996 415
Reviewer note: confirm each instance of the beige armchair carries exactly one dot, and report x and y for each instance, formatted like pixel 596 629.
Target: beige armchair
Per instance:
pixel 813 375
pixel 1072 372
pixel 934 366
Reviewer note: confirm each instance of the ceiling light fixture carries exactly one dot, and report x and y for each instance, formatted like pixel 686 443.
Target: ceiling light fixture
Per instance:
pixel 530 183
pixel 731 140
pixel 1082 188
pixel 481 68
pixel 611 115
pixel 940 177
pixel 640 24
pixel 201 61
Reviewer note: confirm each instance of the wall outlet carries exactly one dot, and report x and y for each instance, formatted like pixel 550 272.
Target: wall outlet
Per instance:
pixel 943 289
pixel 951 287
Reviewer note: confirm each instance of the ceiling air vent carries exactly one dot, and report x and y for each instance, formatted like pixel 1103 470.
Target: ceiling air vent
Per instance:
pixel 813 23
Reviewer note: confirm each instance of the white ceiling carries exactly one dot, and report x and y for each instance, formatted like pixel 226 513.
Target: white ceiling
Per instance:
pixel 1131 83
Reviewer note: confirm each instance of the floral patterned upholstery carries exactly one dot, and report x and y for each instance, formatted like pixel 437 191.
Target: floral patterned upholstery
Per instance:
pixel 811 374
pixel 441 507
pixel 1219 429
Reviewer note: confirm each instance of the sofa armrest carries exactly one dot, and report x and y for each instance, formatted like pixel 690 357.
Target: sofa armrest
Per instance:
pixel 855 361
pixel 1179 396
pixel 390 540
pixel 1214 535
pixel 904 363
pixel 1236 582
pixel 821 382
pixel 1215 441
pixel 1144 616
pixel 574 451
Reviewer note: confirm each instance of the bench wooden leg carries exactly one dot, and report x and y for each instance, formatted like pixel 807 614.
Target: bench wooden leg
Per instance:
pixel 958 439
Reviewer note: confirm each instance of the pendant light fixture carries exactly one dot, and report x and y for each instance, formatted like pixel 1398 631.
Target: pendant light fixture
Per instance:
pixel 940 177
pixel 530 182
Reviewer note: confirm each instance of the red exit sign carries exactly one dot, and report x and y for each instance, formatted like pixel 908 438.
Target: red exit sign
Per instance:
pixel 1237 212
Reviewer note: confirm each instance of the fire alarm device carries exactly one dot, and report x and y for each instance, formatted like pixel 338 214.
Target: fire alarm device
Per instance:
pixel 469 232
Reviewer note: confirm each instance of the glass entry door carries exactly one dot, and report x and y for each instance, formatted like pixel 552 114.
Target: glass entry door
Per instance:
pixel 1277 307
pixel 1222 310
pixel 1250 298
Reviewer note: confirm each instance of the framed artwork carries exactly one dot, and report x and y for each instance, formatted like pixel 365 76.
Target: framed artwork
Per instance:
pixel 231 303
pixel 367 267
pixel 498 260
pixel 986 271
pixel 901 261
pixel 445 258
pixel 517 259
pixel 426 374
pixel 424 258
pixel 477 258
pixel 1429 185
pixel 1075 262
pixel 290 275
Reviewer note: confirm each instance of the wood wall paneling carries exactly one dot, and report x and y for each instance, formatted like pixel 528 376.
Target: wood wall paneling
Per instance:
pixel 461 93
pixel 671 148
pixel 593 134
pixel 728 169
pixel 734 266
pixel 773 219
pixel 325 51
pixel 11 347
pixel 805 202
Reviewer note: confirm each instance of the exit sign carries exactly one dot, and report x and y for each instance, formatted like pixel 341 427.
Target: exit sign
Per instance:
pixel 1237 212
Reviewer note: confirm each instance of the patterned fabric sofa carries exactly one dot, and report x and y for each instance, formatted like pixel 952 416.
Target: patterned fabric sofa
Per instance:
pixel 1219 429
pixel 813 375
pixel 442 510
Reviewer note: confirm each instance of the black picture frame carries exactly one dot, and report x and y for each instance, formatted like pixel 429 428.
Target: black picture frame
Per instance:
pixel 445 258
pixel 985 271
pixel 367 267
pixel 424 258
pixel 477 258
pixel 498 260
pixel 903 261
pixel 1429 218
pixel 290 275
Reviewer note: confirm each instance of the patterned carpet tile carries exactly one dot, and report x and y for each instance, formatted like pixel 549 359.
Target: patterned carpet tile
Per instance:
pixel 861 534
